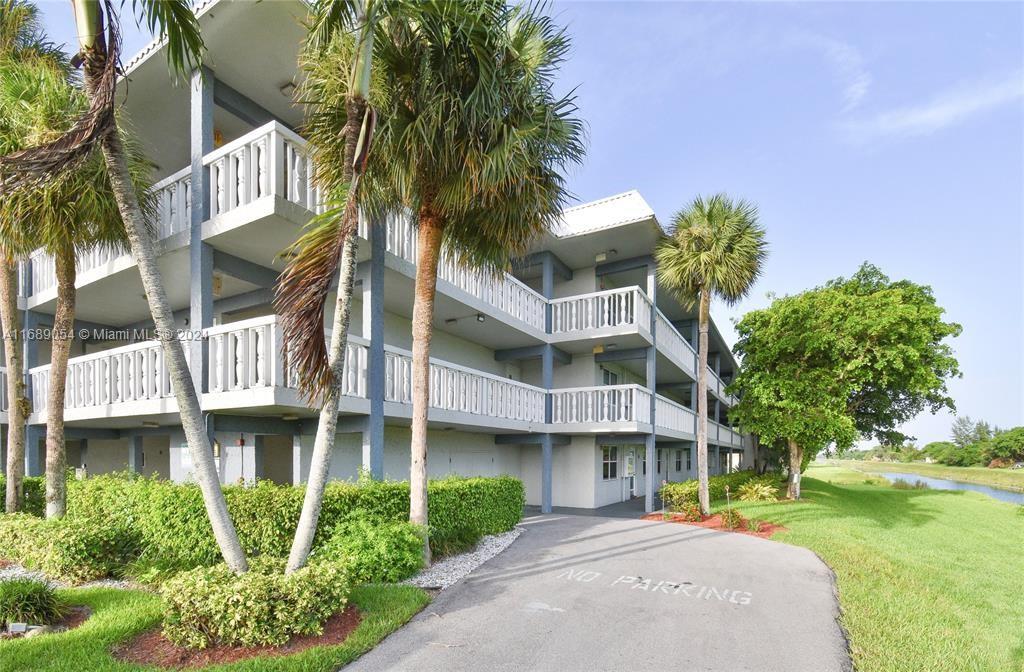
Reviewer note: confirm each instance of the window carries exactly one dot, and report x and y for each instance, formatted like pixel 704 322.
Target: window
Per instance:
pixel 609 462
pixel 659 460
pixel 679 460
pixel 688 465
pixel 643 461
pixel 609 377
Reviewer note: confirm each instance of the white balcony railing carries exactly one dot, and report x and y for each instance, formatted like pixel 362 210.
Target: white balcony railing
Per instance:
pixel 506 293
pixel 606 403
pixel 672 343
pixel 269 161
pixel 248 354
pixel 674 416
pixel 601 310
pixel 129 373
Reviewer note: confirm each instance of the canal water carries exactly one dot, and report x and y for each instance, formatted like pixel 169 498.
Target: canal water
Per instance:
pixel 945 484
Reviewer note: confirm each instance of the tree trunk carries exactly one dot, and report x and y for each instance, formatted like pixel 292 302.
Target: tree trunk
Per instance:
pixel 326 428
pixel 428 255
pixel 17 411
pixel 703 322
pixel 796 458
pixel 60 350
pixel 144 252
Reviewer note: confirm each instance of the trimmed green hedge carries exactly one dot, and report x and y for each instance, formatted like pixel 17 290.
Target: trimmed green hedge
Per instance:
pixel 675 495
pixel 175 532
pixel 65 548
pixel 35 494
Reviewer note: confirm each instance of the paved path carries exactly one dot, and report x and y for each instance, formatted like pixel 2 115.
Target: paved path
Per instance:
pixel 583 593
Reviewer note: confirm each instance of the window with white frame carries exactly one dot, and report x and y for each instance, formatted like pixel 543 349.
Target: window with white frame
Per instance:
pixel 609 462
pixel 688 454
pixel 679 460
pixel 609 377
pixel 659 460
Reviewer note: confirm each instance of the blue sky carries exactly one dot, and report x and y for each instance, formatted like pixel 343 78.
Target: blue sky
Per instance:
pixel 888 132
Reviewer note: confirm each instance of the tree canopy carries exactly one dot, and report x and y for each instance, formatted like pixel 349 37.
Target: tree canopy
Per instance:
pixel 852 359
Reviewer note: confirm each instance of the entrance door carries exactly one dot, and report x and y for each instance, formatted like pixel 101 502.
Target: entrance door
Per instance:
pixel 629 473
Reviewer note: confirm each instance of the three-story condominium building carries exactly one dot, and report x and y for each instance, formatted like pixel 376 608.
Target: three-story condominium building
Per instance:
pixel 573 372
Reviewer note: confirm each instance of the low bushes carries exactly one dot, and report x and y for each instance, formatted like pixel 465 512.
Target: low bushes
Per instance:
pixel 34 488
pixel 65 548
pixel 377 552
pixel 213 605
pixel 29 601
pixel 675 495
pixel 759 489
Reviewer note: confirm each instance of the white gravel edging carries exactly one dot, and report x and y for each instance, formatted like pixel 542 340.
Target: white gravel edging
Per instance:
pixel 454 568
pixel 19 572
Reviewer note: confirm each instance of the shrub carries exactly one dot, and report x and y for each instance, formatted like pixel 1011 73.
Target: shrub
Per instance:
pixel 34 497
pixel 213 605
pixel 375 552
pixel 691 512
pixel 900 484
pixel 755 526
pixel 731 519
pixel 29 601
pixel 175 532
pixel 67 549
pixel 758 490
pixel 674 495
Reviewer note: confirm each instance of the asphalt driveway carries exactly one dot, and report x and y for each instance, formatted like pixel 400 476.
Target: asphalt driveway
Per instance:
pixel 582 593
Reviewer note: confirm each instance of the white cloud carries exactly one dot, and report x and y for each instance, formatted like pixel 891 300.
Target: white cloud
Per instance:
pixel 846 61
pixel 943 110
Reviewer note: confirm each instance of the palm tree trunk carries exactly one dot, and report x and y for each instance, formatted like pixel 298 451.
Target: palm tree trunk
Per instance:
pixel 17 411
pixel 428 255
pixel 796 458
pixel 326 428
pixel 144 253
pixel 703 322
pixel 60 350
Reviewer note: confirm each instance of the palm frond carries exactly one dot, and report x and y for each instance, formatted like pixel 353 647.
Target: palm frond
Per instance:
pixel 175 22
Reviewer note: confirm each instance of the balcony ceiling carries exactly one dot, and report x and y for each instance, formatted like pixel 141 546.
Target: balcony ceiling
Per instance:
pixel 251 46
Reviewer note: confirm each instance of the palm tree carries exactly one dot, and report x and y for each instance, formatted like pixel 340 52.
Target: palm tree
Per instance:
pixel 65 216
pixel 97 24
pixel 21 39
pixel 470 143
pixel 715 248
pixel 339 63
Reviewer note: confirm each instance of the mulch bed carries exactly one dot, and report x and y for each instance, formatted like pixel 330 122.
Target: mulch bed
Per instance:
pixel 715 523
pixel 152 648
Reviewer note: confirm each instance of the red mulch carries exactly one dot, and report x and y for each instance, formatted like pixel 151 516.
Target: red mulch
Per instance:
pixel 4 564
pixel 151 648
pixel 715 523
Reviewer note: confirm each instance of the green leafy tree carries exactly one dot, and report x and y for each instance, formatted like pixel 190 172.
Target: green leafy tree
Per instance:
pixel 855 358
pixel 471 142
pixel 1007 445
pixel 715 249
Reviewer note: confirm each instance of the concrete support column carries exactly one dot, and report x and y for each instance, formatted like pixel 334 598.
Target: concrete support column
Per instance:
pixel 652 380
pixel 34 458
pixel 547 287
pixel 545 473
pixel 136 460
pixel 373 331
pixel 200 253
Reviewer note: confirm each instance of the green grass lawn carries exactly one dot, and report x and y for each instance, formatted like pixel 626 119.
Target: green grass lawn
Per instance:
pixel 1012 479
pixel 120 614
pixel 928 579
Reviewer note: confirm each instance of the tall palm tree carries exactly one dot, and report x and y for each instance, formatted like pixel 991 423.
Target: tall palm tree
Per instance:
pixel 715 248
pixel 65 216
pixel 98 29
pixel 338 61
pixel 340 131
pixel 21 40
pixel 470 143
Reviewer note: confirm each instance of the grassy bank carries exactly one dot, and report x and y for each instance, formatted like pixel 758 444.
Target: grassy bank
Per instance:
pixel 1011 479
pixel 928 579
pixel 118 615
